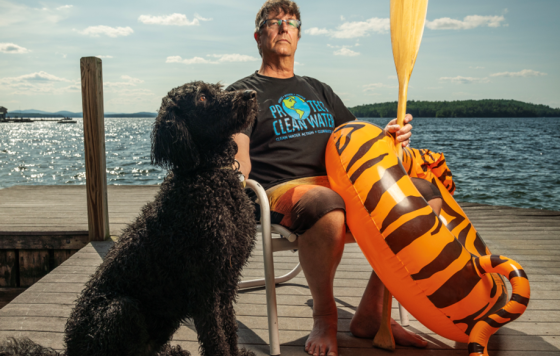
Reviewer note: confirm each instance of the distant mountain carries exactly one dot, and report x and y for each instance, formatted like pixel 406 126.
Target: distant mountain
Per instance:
pixel 69 113
pixel 31 111
pixel 64 113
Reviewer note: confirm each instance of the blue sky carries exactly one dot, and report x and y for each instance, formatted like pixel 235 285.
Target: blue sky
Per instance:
pixel 476 49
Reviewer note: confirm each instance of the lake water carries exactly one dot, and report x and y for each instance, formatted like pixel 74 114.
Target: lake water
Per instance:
pixel 498 161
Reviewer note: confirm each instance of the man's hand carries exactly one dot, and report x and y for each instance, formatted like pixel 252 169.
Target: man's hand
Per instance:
pixel 403 134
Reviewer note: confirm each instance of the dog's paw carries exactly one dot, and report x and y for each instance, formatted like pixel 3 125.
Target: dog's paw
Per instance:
pixel 169 350
pixel 244 352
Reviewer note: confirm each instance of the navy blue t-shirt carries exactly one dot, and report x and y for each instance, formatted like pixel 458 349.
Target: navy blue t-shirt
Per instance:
pixel 295 120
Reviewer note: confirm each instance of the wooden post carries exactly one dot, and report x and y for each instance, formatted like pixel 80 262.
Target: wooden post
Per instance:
pixel 94 145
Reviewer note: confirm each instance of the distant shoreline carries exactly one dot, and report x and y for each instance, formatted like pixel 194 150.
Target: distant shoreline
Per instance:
pixel 488 108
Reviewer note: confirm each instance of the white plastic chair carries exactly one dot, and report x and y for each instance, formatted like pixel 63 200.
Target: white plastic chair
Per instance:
pixel 288 241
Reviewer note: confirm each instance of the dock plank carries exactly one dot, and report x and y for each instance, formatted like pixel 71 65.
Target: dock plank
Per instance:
pixel 530 236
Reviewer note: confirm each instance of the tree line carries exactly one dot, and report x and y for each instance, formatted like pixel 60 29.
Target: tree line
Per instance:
pixel 459 108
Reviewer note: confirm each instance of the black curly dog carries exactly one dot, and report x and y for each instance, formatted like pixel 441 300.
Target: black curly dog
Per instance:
pixel 183 256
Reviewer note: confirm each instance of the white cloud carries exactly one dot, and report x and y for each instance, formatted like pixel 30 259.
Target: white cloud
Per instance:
pixel 38 82
pixel 129 82
pixel 15 13
pixel 373 86
pixel 464 80
pixel 102 57
pixel 171 20
pixel 132 80
pixel 95 31
pixel 37 76
pixel 523 73
pixel 345 51
pixel 314 31
pixel 354 29
pixel 71 88
pixel 178 59
pixel 477 67
pixel 12 48
pixel 234 57
pixel 197 16
pixel 469 22
pixel 127 92
pixel 64 7
pixel 221 59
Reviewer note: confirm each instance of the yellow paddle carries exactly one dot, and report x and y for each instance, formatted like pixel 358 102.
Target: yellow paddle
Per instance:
pixel 407 26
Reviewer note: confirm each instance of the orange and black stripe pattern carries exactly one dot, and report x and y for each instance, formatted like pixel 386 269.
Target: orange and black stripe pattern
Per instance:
pixel 435 267
pixel 431 166
pixel 417 162
pixel 478 340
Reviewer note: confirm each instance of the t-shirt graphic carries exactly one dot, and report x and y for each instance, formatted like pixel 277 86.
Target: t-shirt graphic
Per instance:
pixel 296 107
pixel 297 117
pixel 295 120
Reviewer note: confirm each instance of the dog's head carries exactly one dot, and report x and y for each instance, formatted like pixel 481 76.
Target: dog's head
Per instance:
pixel 195 125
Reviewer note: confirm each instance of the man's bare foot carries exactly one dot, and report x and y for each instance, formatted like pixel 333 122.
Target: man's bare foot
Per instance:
pixel 322 339
pixel 368 327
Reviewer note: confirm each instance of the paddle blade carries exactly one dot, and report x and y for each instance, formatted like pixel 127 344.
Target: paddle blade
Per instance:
pixel 407 26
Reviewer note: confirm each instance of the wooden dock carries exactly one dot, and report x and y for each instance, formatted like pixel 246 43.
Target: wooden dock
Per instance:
pixel 57 217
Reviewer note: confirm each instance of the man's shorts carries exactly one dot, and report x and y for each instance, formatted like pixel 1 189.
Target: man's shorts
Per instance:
pixel 298 204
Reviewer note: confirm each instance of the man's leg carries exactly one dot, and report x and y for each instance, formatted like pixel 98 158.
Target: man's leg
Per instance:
pixel 320 251
pixel 366 320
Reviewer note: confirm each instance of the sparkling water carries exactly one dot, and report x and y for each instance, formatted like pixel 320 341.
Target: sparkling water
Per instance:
pixel 498 161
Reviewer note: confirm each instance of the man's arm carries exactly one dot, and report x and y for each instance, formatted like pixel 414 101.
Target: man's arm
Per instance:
pixel 343 115
pixel 243 143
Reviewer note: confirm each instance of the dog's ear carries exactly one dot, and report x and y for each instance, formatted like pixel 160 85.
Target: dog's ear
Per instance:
pixel 172 143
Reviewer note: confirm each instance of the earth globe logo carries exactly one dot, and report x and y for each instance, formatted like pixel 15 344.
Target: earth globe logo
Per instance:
pixel 296 107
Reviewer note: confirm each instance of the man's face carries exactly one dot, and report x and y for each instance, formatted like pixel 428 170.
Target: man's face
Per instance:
pixel 278 40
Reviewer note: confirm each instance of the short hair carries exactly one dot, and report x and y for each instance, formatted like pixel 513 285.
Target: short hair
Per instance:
pixel 287 6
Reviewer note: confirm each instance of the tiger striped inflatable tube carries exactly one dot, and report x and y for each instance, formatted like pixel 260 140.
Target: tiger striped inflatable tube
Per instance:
pixel 426 268
pixel 430 166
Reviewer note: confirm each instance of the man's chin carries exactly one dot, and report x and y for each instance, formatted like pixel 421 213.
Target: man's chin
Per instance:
pixel 284 52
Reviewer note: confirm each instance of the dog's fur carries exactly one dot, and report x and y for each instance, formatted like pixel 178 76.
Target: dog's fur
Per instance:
pixel 183 256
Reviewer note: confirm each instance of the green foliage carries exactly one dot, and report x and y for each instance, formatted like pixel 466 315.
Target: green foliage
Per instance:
pixel 460 108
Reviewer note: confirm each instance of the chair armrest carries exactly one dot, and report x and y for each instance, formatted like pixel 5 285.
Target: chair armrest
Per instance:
pixel 263 202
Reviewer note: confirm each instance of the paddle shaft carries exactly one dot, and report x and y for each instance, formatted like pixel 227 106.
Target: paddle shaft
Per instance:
pixel 401 112
pixel 384 338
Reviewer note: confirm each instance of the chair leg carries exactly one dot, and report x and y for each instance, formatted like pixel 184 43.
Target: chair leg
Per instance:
pixel 404 316
pixel 384 337
pixel 272 311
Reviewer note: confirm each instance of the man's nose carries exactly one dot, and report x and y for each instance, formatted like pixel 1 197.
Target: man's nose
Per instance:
pixel 282 28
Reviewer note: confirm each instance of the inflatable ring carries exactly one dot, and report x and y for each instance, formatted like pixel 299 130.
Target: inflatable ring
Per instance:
pixel 431 166
pixel 436 278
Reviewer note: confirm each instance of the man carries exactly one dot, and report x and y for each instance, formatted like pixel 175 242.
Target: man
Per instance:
pixel 284 151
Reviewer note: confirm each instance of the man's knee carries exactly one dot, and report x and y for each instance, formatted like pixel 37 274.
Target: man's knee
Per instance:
pixel 320 208
pixel 329 229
